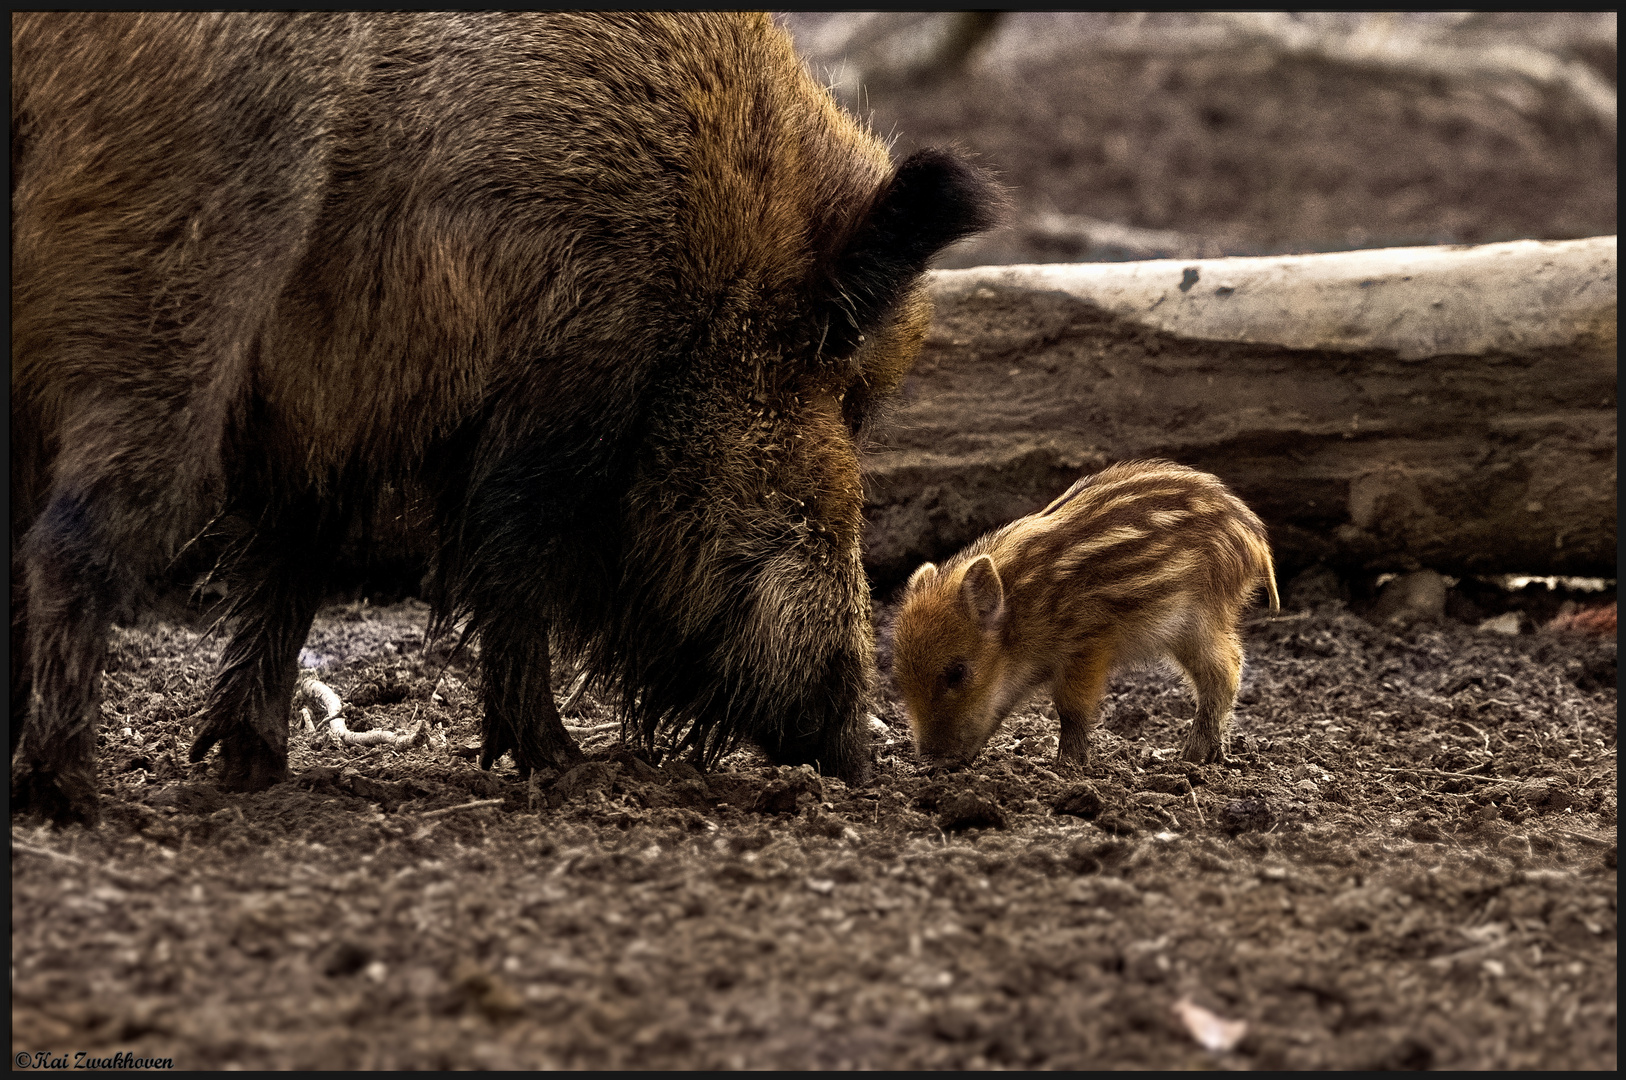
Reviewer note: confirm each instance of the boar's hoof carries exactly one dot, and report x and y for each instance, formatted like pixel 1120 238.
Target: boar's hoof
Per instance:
pixel 532 750
pixel 840 749
pixel 1073 753
pixel 67 798
pixel 246 762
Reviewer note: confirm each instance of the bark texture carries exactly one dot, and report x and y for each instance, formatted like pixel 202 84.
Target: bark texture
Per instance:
pixel 1450 408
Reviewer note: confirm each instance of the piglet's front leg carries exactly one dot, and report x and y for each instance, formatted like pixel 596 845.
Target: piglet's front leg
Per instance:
pixel 1078 691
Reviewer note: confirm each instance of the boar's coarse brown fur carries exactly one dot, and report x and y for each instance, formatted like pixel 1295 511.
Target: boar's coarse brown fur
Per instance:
pixel 611 296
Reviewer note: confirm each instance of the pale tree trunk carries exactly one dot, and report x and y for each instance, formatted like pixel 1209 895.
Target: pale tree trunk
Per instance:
pixel 1449 408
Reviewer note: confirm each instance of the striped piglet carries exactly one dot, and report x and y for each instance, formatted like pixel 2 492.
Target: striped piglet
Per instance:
pixel 1142 561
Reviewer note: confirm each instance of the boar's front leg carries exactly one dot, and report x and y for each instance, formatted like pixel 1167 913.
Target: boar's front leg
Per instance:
pixel 70 585
pixel 521 717
pixel 274 589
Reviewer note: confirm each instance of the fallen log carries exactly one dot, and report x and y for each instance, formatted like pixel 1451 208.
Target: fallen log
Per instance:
pixel 1387 410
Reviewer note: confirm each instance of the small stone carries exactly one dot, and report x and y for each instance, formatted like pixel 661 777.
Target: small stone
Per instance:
pixel 1509 622
pixel 968 810
pixel 1081 801
pixel 1411 598
pixel 1246 815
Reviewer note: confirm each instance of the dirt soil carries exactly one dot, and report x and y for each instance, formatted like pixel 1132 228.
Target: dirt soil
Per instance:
pixel 1410 864
pixel 1247 152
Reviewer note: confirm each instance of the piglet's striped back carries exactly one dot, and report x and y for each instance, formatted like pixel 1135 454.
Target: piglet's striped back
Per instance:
pixel 1131 532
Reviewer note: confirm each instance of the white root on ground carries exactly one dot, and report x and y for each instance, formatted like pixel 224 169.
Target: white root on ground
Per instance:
pixel 581 728
pixel 594 729
pixel 575 695
pixel 328 701
pixel 443 811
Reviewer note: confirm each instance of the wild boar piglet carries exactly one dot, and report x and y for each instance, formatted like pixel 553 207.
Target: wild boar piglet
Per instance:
pixel 1142 561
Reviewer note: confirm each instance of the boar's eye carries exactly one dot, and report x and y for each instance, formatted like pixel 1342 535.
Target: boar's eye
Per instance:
pixel 954 674
pixel 855 409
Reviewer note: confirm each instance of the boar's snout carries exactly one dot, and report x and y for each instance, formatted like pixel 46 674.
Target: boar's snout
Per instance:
pixel 807 646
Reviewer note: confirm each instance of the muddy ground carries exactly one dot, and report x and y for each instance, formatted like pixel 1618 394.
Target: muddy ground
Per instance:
pixel 1411 862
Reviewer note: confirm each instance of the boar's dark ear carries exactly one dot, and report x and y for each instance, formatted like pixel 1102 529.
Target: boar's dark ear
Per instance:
pixel 933 199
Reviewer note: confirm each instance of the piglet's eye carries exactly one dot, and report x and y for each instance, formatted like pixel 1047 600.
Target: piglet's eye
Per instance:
pixel 954 675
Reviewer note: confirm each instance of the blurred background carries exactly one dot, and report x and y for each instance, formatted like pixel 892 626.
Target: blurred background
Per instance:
pixel 1185 135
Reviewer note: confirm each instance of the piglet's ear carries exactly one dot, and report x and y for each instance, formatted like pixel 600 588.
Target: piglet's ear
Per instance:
pixel 983 594
pixel 933 199
pixel 922 577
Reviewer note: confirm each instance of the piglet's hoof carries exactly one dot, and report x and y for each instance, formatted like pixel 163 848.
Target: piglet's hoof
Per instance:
pixel 1203 752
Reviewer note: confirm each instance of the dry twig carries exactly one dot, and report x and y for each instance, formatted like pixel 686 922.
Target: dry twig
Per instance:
pixel 477 804
pixel 115 876
pixel 1441 773
pixel 575 694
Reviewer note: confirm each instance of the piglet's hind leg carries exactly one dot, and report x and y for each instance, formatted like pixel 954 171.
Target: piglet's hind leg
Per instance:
pixel 1214 663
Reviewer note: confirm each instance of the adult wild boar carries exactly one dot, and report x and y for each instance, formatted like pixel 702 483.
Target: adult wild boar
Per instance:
pixel 612 295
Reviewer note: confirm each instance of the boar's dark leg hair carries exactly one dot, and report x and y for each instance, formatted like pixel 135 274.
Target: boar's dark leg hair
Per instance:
pixel 831 734
pixel 72 593
pixel 521 547
pixel 520 716
pixel 276 580
pixel 502 536
pixel 22 682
